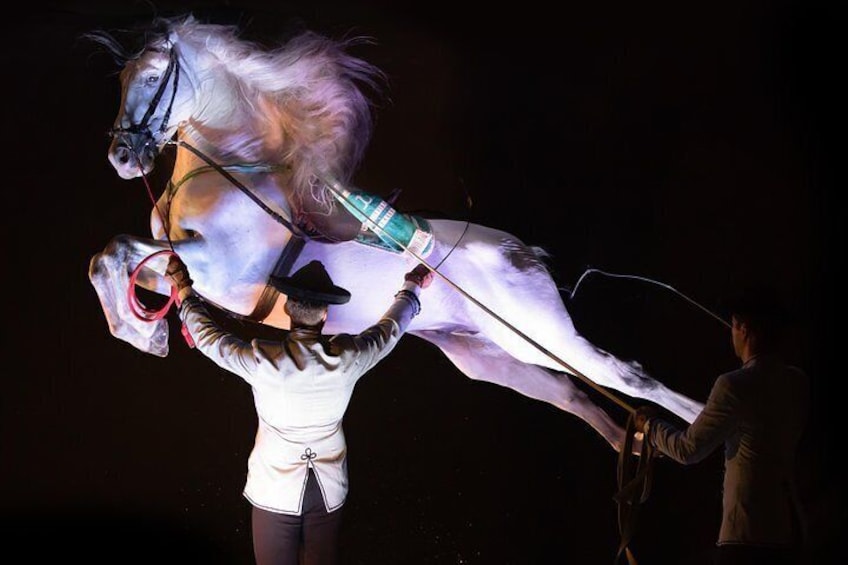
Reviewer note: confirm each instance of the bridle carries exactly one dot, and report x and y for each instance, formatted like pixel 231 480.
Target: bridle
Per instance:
pixel 143 127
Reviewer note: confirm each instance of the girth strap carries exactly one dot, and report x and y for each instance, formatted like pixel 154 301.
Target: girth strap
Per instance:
pixel 293 246
pixel 281 269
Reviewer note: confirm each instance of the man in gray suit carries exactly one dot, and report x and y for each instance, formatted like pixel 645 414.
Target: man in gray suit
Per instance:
pixel 758 412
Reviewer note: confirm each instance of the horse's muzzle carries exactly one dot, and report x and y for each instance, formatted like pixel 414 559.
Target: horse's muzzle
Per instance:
pixel 132 154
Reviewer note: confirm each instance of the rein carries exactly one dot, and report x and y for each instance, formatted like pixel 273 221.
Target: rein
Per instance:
pixel 634 476
pixel 287 222
pixel 138 309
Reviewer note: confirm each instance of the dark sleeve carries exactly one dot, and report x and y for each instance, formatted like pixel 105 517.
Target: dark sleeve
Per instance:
pixel 716 422
pixel 248 359
pixel 376 341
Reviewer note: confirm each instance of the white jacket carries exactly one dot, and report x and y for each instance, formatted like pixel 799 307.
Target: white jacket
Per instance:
pixel 301 388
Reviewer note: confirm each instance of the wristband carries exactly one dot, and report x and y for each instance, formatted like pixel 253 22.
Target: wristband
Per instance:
pixel 411 297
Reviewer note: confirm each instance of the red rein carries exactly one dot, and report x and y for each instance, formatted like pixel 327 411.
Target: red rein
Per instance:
pixel 141 311
pixel 146 314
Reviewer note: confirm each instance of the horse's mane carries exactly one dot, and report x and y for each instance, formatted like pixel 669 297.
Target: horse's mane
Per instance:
pixel 306 89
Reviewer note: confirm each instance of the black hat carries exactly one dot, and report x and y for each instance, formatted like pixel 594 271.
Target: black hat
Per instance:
pixel 312 283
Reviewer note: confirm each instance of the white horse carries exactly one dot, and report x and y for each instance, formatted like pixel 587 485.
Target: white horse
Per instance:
pixel 265 138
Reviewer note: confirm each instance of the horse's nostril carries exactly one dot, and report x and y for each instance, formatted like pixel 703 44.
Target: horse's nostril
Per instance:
pixel 122 154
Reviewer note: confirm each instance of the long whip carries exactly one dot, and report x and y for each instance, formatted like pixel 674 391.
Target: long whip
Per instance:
pixel 651 281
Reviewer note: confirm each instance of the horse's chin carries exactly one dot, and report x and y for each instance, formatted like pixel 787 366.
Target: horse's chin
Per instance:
pixel 131 168
pixel 127 173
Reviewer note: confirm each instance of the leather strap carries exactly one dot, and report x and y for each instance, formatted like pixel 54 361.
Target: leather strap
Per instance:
pixel 269 295
pixel 634 484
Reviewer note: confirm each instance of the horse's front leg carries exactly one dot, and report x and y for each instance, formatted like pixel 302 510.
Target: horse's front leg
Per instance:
pixel 109 272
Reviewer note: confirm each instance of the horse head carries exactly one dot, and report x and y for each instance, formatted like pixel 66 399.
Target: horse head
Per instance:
pixel 152 102
pixel 156 95
pixel 298 106
pixel 145 122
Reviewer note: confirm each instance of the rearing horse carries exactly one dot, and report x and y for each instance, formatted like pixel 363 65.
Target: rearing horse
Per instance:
pixel 265 139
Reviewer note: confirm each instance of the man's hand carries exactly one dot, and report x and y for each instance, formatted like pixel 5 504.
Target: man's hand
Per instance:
pixel 641 416
pixel 177 272
pixel 420 275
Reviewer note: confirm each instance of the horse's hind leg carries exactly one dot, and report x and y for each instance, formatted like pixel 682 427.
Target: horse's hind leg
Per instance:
pixel 483 360
pixel 548 338
pixel 109 275
pixel 571 352
pixel 628 377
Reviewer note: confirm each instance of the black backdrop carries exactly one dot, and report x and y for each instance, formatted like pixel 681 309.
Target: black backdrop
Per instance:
pixel 691 145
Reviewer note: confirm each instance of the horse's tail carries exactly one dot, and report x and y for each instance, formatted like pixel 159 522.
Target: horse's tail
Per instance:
pixel 542 257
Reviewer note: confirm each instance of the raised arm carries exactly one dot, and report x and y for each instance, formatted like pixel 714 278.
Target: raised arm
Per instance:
pixel 251 360
pixel 376 341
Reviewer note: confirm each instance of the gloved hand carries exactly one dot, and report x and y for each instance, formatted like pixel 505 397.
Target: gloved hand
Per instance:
pixel 420 275
pixel 642 415
pixel 177 273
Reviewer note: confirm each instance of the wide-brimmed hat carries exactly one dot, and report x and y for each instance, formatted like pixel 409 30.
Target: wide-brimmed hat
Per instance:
pixel 312 283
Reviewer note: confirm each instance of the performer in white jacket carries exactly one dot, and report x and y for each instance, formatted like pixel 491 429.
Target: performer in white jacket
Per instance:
pixel 297 477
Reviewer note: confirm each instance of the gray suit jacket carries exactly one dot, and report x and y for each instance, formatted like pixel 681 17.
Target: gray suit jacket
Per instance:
pixel 758 412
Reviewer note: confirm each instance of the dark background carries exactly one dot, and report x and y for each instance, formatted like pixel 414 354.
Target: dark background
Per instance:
pixel 692 145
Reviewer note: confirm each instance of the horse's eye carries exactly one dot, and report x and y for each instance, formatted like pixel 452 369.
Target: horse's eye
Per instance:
pixel 152 79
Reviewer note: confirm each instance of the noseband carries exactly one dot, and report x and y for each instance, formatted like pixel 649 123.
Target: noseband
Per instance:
pixel 143 127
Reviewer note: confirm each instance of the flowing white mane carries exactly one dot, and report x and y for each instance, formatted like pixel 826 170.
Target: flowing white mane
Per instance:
pixel 308 89
pixel 305 93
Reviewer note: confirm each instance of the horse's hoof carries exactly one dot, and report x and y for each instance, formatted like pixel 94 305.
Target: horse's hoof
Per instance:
pixel 159 343
pixel 155 344
pixel 159 350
